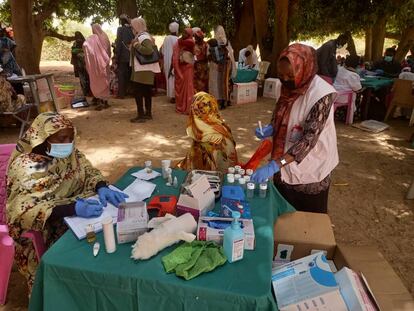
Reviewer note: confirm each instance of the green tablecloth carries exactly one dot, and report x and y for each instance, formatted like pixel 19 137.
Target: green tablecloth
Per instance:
pixel 70 278
pixel 245 75
pixel 376 82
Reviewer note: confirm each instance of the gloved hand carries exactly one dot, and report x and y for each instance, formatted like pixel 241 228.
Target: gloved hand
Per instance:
pixel 114 197
pixel 267 132
pixel 379 72
pixel 265 172
pixel 88 208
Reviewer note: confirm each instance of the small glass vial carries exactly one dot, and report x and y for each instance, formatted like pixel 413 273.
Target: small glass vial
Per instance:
pixel 148 167
pixel 242 182
pixel 230 178
pixel 237 169
pixel 90 233
pixel 250 190
pixel 231 170
pixel 247 178
pixel 262 190
pixel 249 172
pixel 237 177
pixel 242 172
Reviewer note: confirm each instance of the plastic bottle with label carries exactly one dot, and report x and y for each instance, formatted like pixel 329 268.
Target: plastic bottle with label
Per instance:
pixel 233 240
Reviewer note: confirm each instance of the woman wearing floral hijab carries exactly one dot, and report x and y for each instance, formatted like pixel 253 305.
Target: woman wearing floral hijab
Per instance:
pixel 48 179
pixel 213 146
pixel 303 130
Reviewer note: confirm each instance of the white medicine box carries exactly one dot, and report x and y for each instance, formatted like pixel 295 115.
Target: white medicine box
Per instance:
pixel 244 93
pixel 272 88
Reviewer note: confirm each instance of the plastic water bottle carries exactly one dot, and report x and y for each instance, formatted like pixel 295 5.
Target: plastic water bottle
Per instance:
pixel 233 240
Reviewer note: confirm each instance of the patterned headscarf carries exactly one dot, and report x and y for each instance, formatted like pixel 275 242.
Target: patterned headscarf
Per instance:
pixel 205 118
pixel 303 61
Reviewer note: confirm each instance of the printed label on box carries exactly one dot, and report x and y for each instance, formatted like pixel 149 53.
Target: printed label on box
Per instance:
pixel 238 248
pixel 284 252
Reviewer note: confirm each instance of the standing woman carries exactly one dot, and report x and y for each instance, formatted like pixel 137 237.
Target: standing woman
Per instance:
pixel 183 62
pixel 221 68
pixel 97 59
pixel 143 75
pixel 201 63
pixel 303 130
pixel 78 62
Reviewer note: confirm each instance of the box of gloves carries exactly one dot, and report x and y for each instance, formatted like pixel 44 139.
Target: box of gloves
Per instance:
pixel 132 221
pixel 244 93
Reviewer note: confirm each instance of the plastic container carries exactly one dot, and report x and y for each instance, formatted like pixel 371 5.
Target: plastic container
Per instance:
pixel 231 170
pixel 237 169
pixel 236 177
pixel 262 190
pixel 242 182
pixel 233 240
pixel 250 190
pixel 165 164
pixel 247 178
pixel 249 172
pixel 109 235
pixel 230 178
pixel 242 172
pixel 148 166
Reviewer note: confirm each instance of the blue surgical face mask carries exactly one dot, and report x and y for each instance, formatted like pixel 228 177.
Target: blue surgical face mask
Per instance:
pixel 60 151
pixel 388 59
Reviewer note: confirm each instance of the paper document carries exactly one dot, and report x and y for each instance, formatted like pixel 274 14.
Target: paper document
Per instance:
pixel 139 190
pixel 78 224
pixel 142 174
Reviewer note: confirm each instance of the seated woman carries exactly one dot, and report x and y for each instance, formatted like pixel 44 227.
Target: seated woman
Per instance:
pixel 47 180
pixel 213 146
pixel 9 100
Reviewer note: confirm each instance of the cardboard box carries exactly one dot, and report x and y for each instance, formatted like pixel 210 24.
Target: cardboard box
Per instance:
pixel 297 234
pixel 132 221
pixel 198 200
pixel 271 88
pixel 387 288
pixel 354 292
pixel 244 93
pixel 207 233
pixel 307 284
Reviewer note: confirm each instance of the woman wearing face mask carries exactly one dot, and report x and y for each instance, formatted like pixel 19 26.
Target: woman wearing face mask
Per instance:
pixel 388 66
pixel 304 138
pixel 48 179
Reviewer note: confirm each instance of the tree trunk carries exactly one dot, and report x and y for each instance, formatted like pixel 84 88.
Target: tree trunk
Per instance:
pixel 351 44
pixel 245 33
pixel 261 17
pixel 128 7
pixel 281 32
pixel 378 38
pixel 28 35
pixel 368 45
pixel 407 41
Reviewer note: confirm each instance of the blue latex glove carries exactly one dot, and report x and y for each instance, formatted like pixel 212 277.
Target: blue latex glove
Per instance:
pixel 379 72
pixel 88 208
pixel 267 132
pixel 114 197
pixel 265 172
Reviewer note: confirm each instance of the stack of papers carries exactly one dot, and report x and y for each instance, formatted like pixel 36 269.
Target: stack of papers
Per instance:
pixel 139 190
pixel 143 175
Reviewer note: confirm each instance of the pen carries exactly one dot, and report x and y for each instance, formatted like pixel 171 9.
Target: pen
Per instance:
pixel 261 128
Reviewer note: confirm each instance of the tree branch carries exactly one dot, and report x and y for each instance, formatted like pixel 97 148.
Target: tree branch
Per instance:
pixel 55 34
pixel 47 11
pixel 391 35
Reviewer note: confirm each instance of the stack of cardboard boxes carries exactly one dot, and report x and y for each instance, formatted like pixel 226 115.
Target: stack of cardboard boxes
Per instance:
pixel 300 234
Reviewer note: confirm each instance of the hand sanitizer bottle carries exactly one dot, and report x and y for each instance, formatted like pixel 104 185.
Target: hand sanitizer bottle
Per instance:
pixel 233 241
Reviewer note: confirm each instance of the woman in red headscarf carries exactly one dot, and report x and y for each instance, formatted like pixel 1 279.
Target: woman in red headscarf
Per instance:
pixel 183 62
pixel 201 62
pixel 303 130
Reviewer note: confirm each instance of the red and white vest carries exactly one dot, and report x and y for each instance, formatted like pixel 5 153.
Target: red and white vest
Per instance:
pixel 323 157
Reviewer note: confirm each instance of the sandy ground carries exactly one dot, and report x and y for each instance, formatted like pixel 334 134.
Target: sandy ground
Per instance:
pixel 366 202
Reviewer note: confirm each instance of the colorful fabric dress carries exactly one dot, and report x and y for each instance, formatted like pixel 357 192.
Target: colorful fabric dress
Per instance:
pixel 9 100
pixel 201 67
pixel 213 146
pixel 37 183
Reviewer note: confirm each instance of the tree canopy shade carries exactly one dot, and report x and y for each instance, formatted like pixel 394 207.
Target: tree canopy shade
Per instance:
pixel 270 24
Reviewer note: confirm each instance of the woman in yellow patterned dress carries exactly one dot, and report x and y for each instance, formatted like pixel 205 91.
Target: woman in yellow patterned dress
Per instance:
pixel 48 179
pixel 213 146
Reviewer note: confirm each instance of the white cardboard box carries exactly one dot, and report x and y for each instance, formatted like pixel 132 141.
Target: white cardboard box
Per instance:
pixel 271 88
pixel 353 291
pixel 199 201
pixel 244 93
pixel 207 233
pixel 132 221
pixel 307 284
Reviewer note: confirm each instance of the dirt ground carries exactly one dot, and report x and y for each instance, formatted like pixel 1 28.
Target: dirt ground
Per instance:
pixel 366 201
